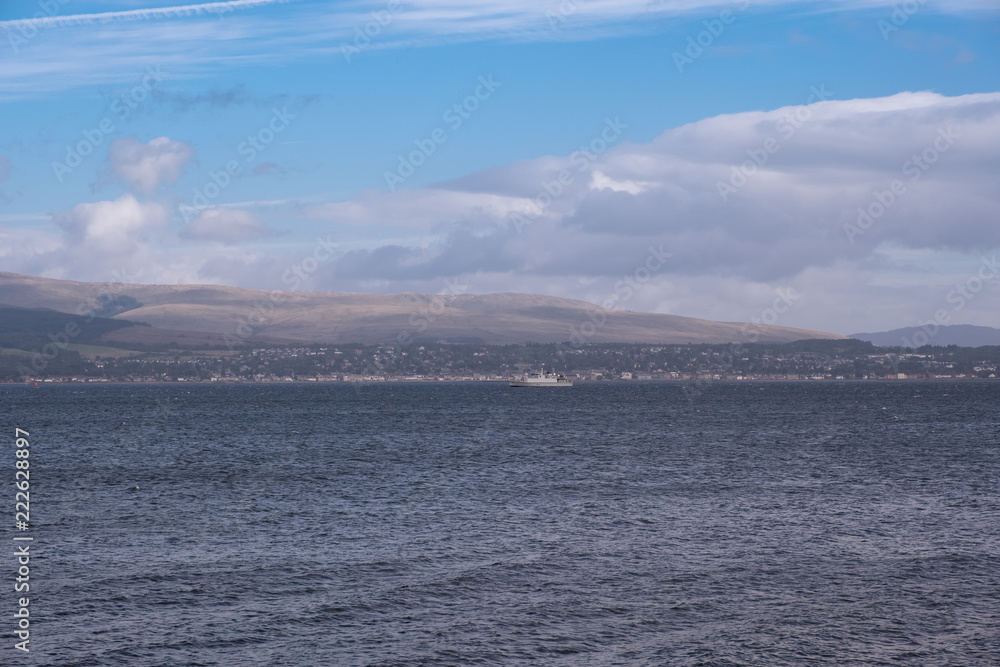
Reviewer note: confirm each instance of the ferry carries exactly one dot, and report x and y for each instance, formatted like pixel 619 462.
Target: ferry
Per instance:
pixel 540 380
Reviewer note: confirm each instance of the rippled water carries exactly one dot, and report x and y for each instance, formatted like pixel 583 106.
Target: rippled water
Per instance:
pixel 458 524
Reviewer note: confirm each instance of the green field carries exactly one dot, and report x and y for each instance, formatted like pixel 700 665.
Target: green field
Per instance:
pixel 91 351
pixel 84 350
pixel 15 353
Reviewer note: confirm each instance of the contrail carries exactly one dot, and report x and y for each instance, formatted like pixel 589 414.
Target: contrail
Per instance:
pixel 138 14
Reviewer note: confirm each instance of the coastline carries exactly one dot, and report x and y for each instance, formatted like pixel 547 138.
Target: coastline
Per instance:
pixel 92 381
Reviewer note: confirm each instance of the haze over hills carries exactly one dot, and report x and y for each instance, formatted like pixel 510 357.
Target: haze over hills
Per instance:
pixel 963 335
pixel 336 317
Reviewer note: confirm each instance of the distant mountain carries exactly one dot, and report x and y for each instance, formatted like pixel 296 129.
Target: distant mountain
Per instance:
pixel 336 317
pixel 32 329
pixel 963 335
pixel 27 328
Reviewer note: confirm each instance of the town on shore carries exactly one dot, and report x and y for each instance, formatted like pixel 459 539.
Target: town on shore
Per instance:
pixel 810 360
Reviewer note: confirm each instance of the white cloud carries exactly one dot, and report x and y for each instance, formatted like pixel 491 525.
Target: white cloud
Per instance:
pixel 426 208
pixel 191 41
pixel 600 181
pixel 799 208
pixel 441 16
pixel 145 166
pixel 111 227
pixel 783 227
pixel 216 9
pixel 225 224
pixel 21 244
pixel 787 222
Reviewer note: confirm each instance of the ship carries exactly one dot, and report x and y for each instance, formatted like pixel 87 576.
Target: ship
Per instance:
pixel 540 380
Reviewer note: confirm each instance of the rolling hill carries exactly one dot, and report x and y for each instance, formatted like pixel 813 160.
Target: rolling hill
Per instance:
pixel 235 314
pixel 963 335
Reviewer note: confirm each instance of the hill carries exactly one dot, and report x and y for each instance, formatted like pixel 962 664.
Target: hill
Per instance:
pixel 336 317
pixel 963 335
pixel 29 328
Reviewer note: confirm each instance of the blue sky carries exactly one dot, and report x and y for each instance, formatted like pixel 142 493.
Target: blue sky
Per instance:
pixel 489 103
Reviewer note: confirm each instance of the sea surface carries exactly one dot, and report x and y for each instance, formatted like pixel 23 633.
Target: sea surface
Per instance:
pixel 825 523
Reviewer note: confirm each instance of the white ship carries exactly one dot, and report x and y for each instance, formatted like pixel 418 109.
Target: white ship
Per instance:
pixel 540 380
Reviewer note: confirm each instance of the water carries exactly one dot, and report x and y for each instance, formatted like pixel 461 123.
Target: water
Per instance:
pixel 460 524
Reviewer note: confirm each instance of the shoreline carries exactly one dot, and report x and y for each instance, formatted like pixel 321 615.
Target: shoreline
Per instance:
pixel 33 383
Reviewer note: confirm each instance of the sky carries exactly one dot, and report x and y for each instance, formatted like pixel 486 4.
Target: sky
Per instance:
pixel 828 165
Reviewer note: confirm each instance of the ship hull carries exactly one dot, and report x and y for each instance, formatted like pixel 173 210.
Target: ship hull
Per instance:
pixel 529 383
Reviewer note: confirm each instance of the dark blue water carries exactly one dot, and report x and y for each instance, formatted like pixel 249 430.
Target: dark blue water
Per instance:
pixel 460 524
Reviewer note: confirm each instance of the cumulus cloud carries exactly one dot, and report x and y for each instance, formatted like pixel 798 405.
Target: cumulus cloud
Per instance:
pixel 145 166
pixel 870 209
pixel 111 227
pixel 224 224
pixel 759 195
